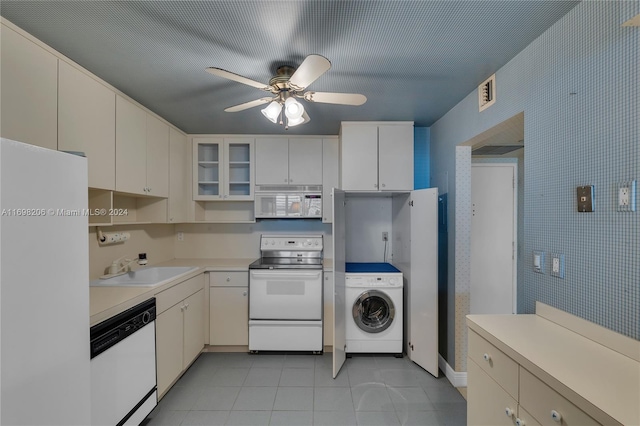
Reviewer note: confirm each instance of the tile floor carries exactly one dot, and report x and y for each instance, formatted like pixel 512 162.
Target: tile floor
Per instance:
pixel 286 389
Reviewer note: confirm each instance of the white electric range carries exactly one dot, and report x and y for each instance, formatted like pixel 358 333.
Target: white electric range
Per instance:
pixel 285 294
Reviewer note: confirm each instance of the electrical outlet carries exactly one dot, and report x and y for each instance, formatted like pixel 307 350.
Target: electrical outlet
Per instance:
pixel 385 236
pixel 626 200
pixel 180 236
pixel 557 265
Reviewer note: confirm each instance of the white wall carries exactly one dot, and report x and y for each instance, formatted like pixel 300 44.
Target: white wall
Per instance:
pixel 366 219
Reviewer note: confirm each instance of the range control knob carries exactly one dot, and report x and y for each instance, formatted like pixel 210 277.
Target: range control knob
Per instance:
pixel 146 317
pixel 392 281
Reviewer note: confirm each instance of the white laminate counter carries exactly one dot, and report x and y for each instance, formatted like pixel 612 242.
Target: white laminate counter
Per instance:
pixel 106 302
pixel 603 382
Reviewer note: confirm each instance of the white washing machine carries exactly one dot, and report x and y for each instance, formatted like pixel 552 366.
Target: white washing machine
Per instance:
pixel 374 308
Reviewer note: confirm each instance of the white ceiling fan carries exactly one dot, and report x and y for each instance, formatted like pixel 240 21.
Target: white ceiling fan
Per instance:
pixel 288 84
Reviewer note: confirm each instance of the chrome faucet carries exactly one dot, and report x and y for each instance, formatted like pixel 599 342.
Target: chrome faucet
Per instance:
pixel 122 265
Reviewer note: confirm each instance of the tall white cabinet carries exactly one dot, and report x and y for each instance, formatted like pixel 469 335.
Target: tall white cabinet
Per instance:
pixel 376 156
pixel 413 221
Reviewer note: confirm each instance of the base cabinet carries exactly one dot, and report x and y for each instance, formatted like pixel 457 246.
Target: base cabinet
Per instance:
pixel 501 390
pixel 179 330
pixel 229 309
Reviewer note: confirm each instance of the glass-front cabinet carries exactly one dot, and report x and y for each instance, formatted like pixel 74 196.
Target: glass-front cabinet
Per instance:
pixel 223 168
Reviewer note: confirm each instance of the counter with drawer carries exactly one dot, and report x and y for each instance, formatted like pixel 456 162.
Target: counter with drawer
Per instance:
pixel 551 368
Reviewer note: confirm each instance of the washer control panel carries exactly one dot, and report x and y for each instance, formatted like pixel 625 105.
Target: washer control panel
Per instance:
pixel 390 280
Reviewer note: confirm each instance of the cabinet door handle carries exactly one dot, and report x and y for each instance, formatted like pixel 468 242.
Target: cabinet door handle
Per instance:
pixel 557 417
pixel 149 189
pixel 486 357
pixel 182 308
pixel 244 293
pixel 186 306
pixel 375 185
pixel 519 422
pixel 383 185
pixel 228 279
pixel 508 411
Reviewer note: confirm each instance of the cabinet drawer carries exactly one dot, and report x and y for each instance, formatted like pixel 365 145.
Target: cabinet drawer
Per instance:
pixel 229 279
pixel 526 418
pixel 487 402
pixel 177 293
pixel 540 400
pixel 494 362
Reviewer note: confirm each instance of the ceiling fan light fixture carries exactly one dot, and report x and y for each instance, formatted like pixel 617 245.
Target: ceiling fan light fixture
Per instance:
pixel 293 109
pixel 272 111
pixel 304 118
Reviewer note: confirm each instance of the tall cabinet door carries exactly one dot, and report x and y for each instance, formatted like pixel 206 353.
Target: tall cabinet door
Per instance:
pixel 339 292
pixel 272 161
pixel 423 299
pixel 131 147
pixel 29 80
pixel 359 156
pixel 157 155
pixel 305 161
pixel 87 123
pixel 395 151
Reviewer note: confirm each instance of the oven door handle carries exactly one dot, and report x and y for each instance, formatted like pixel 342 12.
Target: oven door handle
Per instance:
pixel 288 275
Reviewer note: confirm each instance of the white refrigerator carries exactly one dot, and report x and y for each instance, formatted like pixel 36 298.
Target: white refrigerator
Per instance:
pixel 44 287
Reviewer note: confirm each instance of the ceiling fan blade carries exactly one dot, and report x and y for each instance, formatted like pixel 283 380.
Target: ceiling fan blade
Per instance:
pixel 238 78
pixel 248 105
pixel 309 71
pixel 335 98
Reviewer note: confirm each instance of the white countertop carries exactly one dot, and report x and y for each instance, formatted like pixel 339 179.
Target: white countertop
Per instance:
pixel 108 301
pixel 585 372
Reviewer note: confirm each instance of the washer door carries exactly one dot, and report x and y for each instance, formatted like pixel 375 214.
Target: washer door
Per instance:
pixel 373 311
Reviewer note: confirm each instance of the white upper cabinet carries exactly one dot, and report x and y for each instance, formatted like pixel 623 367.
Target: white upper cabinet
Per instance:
pixel 142 151
pixel 87 123
pixel 376 156
pixel 223 168
pixel 288 161
pixel 29 95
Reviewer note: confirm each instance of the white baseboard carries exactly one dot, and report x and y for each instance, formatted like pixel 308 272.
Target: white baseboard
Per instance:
pixel 457 378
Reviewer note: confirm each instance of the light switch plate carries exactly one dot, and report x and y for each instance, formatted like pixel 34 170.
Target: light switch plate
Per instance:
pixel 585 199
pixel 626 196
pixel 557 265
pixel 538 262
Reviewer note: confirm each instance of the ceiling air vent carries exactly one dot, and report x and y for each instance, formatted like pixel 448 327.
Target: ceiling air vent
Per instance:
pixel 487 93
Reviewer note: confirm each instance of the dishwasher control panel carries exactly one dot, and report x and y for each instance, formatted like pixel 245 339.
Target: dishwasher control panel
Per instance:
pixel 117 328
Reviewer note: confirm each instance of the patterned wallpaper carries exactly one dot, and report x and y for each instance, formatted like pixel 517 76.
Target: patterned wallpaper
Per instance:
pixel 578 85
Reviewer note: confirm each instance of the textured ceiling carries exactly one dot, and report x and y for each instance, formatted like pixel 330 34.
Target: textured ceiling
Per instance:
pixel 413 60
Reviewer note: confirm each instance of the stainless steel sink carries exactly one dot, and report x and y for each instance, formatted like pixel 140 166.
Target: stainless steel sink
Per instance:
pixel 146 277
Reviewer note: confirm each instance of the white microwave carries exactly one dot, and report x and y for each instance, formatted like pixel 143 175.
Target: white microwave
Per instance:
pixel 288 202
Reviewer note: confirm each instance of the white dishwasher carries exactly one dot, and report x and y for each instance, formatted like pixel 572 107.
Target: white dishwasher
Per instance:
pixel 123 367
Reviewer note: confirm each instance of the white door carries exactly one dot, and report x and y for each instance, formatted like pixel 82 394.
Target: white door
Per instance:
pixel 493 238
pixel 339 293
pixel 424 279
